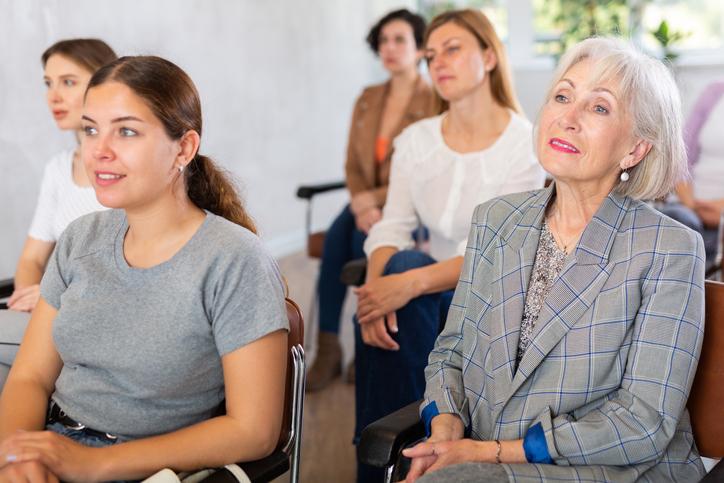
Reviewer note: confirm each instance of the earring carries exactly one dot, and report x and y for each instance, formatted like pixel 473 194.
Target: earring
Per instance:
pixel 180 168
pixel 624 175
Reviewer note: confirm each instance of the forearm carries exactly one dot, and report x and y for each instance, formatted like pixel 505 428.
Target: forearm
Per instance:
pixel 685 193
pixel 23 405
pixel 377 261
pixel 28 272
pixel 212 443
pixel 437 277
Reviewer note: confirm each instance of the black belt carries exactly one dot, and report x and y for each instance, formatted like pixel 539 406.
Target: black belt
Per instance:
pixel 57 415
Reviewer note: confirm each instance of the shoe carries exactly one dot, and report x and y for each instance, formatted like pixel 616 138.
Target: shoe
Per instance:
pixel 349 373
pixel 328 363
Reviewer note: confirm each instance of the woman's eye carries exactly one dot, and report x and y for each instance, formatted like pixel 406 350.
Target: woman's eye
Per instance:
pixel 452 49
pixel 68 82
pixel 127 132
pixel 600 109
pixel 47 83
pixel 561 98
pixel 90 131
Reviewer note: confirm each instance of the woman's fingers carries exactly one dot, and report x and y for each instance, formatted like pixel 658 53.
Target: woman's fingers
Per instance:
pixel 391 319
pixel 383 337
pixel 420 449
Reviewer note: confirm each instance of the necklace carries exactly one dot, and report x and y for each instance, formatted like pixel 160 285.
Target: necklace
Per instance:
pixel 557 236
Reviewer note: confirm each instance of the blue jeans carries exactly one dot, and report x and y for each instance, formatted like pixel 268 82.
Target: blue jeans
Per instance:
pixel 389 380
pixel 342 243
pixel 81 437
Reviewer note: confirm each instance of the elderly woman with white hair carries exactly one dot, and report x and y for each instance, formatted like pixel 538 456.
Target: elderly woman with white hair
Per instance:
pixel 576 326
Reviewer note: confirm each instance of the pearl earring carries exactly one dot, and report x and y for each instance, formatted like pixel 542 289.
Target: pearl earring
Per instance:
pixel 624 175
pixel 180 168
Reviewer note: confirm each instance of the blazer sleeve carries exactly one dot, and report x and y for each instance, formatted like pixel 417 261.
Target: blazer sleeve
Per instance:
pixel 352 166
pixel 635 423
pixel 444 390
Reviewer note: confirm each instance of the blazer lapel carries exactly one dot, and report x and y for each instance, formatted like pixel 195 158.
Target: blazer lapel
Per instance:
pixel 576 288
pixel 517 253
pixel 372 117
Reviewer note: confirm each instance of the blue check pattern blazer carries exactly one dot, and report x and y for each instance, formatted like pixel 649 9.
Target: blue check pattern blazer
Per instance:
pixel 602 388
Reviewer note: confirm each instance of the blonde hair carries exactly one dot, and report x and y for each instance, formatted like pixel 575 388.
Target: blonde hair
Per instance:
pixel 475 22
pixel 651 99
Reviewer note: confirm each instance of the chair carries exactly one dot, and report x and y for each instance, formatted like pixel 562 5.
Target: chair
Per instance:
pixel 6 289
pixel 287 454
pixel 315 241
pixel 383 440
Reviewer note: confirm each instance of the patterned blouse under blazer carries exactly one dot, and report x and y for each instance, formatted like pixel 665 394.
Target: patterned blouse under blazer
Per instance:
pixel 601 390
pixel 362 171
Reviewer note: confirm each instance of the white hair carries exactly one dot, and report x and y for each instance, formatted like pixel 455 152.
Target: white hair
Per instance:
pixel 651 99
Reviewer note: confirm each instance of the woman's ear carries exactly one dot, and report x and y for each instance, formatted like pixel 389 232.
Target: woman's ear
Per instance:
pixel 635 155
pixel 490 59
pixel 188 147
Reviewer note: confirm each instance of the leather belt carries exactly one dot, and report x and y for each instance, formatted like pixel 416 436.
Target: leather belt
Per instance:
pixel 57 415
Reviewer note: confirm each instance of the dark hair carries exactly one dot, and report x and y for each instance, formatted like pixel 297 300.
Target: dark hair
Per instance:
pixel 91 54
pixel 475 22
pixel 172 97
pixel 416 22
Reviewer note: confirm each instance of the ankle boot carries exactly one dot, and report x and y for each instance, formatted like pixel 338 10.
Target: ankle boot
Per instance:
pixel 328 363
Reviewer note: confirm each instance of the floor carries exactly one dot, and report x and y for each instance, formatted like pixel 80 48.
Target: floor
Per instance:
pixel 327 451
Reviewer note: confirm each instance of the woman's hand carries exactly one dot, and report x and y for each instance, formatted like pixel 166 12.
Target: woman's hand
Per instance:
pixel 445 428
pixel 68 460
pixel 25 299
pixel 366 219
pixel 709 212
pixel 361 202
pixel 433 455
pixel 377 302
pixel 30 471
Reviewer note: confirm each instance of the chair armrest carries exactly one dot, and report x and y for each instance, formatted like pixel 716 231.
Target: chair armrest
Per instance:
pixel 308 191
pixel 354 272
pixel 6 287
pixel 716 475
pixel 382 441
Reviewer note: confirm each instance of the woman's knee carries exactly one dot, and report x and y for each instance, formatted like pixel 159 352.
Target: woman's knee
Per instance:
pixel 405 260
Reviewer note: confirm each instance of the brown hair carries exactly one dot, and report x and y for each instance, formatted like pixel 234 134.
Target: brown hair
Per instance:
pixel 171 95
pixel 91 54
pixel 475 22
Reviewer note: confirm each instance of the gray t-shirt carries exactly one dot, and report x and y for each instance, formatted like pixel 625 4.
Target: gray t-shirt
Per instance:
pixel 142 348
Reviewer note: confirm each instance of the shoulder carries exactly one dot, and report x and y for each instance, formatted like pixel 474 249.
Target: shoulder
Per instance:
pixel 92 232
pixel 519 132
pixel 664 234
pixel 370 93
pixel 424 132
pixel 59 164
pixel 507 209
pixel 232 243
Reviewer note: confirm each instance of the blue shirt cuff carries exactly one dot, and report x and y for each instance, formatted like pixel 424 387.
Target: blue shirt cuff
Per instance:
pixel 535 446
pixel 429 412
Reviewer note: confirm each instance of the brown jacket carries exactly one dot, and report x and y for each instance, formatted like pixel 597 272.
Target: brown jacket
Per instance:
pixel 360 166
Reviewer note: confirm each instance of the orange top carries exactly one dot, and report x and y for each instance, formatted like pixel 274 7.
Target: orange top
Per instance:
pixel 382 144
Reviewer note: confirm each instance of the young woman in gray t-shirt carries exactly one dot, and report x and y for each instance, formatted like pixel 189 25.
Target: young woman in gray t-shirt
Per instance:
pixel 151 313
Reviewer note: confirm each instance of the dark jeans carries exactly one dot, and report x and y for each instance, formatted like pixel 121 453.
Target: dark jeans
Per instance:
pixel 389 380
pixel 342 243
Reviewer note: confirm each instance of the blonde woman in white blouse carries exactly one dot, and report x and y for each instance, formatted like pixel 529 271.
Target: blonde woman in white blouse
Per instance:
pixel 65 192
pixel 442 168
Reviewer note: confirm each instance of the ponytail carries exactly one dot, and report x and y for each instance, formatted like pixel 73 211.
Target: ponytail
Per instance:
pixel 210 188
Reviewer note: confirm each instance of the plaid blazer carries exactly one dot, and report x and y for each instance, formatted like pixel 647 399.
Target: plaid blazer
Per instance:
pixel 613 352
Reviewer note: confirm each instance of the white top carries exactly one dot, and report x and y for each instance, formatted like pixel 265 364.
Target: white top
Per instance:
pixel 432 184
pixel 61 200
pixel 708 172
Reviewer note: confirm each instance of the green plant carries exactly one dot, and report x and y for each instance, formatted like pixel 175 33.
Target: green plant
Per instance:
pixel 667 38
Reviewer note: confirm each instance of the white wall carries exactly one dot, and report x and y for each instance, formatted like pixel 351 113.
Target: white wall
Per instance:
pixel 277 78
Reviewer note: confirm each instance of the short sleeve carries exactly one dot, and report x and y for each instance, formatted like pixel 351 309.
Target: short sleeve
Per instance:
pixel 55 279
pixel 249 299
pixel 41 227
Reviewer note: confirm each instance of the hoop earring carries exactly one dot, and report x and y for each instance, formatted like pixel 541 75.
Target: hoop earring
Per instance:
pixel 624 175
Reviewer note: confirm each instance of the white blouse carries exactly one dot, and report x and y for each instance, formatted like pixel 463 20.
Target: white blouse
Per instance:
pixel 61 200
pixel 432 184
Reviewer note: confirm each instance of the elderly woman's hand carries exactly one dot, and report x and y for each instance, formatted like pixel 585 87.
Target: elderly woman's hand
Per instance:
pixel 432 455
pixel 444 428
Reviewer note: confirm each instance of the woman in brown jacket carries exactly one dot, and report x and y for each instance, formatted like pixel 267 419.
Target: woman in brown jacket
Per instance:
pixel 381 113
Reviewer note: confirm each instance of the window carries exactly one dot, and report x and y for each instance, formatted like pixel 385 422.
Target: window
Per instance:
pixel 495 10
pixel 698 23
